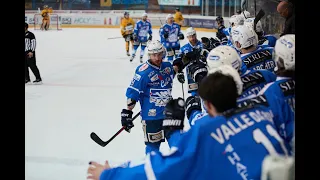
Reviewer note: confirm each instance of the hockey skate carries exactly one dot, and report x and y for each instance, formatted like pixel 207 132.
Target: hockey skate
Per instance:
pixel 128 54
pixel 28 82
pixel 132 57
pixel 37 81
pixel 141 59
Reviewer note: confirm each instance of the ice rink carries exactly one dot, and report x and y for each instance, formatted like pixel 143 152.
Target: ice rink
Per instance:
pixel 85 77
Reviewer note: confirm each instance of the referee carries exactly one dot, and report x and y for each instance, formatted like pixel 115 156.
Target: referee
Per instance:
pixel 30 56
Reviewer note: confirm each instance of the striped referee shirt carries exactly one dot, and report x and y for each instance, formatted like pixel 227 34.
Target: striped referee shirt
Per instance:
pixel 30 42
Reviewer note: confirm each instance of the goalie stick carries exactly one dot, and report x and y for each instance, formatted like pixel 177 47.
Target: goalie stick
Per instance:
pixel 102 143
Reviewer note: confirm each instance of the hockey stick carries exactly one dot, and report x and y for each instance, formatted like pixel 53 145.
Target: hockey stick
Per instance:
pixel 115 37
pixel 102 143
pixel 182 91
pixel 257 19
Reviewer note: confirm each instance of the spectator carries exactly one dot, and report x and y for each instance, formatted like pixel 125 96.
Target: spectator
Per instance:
pixel 286 10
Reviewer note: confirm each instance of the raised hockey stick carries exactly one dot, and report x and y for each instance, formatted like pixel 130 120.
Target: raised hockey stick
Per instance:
pixel 260 14
pixel 102 143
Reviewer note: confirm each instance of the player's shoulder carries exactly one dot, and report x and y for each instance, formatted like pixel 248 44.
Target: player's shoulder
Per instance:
pixel 268 88
pixel 30 34
pixel 270 48
pixel 143 69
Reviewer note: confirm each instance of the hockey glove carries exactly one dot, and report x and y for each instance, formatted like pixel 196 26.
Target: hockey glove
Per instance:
pixel 198 70
pixel 180 77
pixel 134 36
pixel 193 103
pixel 181 36
pixel 174 116
pixel 126 119
pixel 178 62
pixel 166 35
pixel 150 38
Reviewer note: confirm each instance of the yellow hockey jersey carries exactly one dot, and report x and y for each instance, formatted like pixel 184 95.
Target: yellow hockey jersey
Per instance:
pixel 178 18
pixel 45 14
pixel 127 26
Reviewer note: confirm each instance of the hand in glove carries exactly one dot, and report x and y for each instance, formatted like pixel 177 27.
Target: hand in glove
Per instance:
pixel 126 119
pixel 174 116
pixel 180 77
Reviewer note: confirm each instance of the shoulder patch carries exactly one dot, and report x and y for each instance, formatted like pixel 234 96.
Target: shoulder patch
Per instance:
pixel 143 67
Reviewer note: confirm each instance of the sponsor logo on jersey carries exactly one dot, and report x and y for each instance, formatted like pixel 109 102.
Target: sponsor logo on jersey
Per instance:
pixel 151 74
pixel 154 78
pixel 160 96
pixel 152 112
pixel 143 67
pixel 137 77
pixel 165 71
pixel 165 82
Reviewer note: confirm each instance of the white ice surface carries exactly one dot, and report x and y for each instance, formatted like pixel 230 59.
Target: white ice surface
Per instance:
pixel 85 77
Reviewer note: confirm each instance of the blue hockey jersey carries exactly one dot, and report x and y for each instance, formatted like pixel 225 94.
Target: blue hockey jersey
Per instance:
pixel 283 89
pixel 225 147
pixel 142 29
pixel 261 58
pixel 268 40
pixel 173 31
pixel 192 86
pixel 255 80
pixel 152 87
pixel 227 32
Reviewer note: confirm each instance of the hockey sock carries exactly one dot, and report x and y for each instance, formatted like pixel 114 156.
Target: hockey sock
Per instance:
pixel 142 51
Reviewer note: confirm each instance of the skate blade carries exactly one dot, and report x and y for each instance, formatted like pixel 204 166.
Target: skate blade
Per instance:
pixel 37 83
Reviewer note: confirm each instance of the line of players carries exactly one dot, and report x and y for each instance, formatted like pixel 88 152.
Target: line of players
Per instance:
pixel 138 34
pixel 241 108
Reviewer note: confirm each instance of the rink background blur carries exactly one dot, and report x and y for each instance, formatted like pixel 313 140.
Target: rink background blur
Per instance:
pixel 85 77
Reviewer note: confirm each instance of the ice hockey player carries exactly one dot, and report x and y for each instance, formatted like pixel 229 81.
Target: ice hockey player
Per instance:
pixel 222 31
pixel 284 86
pixel 126 29
pixel 214 147
pixel 188 54
pixel 140 36
pixel 45 18
pixel 264 40
pixel 178 18
pixel 253 80
pixel 234 21
pixel 253 56
pixel 250 83
pixel 170 36
pixel 151 86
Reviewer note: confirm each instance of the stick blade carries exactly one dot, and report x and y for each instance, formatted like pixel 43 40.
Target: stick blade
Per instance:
pixel 97 139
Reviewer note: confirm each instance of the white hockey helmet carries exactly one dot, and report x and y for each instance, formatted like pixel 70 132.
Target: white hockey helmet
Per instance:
pixel 223 55
pixel 250 23
pixel 190 31
pixel 284 54
pixel 246 14
pixel 154 47
pixel 245 36
pixel 236 20
pixel 144 15
pixel 169 16
pixel 229 70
